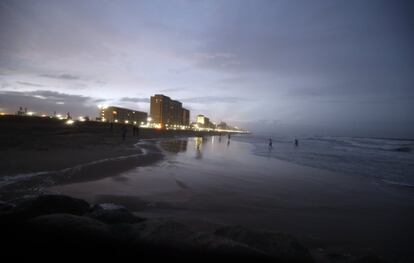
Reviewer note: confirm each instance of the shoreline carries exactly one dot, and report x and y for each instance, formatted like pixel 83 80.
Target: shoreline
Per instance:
pixel 40 152
pixel 204 183
pixel 331 213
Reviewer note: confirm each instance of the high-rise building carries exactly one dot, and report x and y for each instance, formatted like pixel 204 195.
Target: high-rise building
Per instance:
pixel 185 117
pixel 122 115
pixel 160 109
pixel 176 112
pixel 167 112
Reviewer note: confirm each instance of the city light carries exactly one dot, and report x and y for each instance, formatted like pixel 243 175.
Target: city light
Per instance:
pixel 81 118
pixel 69 122
pixel 102 106
pixel 30 113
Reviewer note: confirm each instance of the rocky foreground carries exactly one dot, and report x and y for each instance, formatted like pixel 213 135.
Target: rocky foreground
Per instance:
pixel 47 225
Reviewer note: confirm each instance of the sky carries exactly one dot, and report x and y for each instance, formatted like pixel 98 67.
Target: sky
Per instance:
pixel 332 67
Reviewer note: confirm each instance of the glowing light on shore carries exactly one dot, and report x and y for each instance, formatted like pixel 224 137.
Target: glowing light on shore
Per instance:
pixel 149 119
pixel 30 113
pixel 81 118
pixel 69 122
pixel 102 106
pixel 127 121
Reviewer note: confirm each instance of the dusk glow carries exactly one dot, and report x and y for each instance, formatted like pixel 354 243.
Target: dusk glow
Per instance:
pixel 207 130
pixel 328 67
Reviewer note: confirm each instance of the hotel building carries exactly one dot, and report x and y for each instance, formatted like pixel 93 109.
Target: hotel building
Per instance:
pixel 167 112
pixel 122 115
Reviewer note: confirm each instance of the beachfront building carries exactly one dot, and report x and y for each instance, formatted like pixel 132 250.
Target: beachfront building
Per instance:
pixel 176 109
pixel 202 121
pixel 122 115
pixel 159 109
pixel 186 117
pixel 165 112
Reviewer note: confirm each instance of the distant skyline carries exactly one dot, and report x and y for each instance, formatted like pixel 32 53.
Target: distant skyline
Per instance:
pixel 291 67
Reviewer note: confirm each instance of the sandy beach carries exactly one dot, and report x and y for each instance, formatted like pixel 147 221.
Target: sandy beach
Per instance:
pixel 36 152
pixel 209 181
pixel 206 182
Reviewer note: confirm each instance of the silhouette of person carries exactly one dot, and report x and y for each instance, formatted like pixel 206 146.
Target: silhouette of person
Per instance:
pixel 124 131
pixel 270 143
pixel 137 130
pixel 296 142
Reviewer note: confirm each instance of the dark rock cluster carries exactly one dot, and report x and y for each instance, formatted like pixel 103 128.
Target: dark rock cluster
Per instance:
pixel 50 226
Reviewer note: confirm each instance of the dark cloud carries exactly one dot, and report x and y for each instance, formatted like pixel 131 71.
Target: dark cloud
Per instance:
pixel 213 99
pixel 30 84
pixel 43 101
pixel 61 76
pixel 128 99
pixel 171 90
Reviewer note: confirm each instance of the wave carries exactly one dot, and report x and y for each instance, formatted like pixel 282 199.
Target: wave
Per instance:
pixel 51 176
pixel 388 159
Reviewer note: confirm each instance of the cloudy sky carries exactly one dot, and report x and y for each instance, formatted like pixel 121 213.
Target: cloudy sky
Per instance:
pixel 296 67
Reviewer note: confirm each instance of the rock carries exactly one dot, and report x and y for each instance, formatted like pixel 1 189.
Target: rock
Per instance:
pixel 4 206
pixel 164 231
pixel 68 231
pixel 113 214
pixel 282 247
pixel 370 259
pixel 179 241
pixel 50 204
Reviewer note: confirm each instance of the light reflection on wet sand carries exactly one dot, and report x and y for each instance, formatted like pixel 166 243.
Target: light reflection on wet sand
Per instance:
pixel 211 179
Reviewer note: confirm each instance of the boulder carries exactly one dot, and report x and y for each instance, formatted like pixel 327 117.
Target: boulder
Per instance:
pixel 281 247
pixel 50 204
pixel 66 230
pixel 4 206
pixel 113 214
pixel 370 259
pixel 164 231
pixel 178 240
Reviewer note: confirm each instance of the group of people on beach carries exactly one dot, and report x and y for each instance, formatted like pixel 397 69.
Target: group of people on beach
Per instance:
pixel 296 142
pixel 228 138
pixel 135 131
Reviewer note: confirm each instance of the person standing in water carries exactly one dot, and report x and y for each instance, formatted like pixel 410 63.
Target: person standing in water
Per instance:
pixel 296 142
pixel 270 143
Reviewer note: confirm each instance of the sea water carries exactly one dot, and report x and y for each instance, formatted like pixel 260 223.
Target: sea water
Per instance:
pixel 389 160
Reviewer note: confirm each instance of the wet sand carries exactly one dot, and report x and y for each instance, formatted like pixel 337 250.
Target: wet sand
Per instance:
pixel 38 152
pixel 207 181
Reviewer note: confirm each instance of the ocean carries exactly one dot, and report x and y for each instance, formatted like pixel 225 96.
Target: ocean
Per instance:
pixel 388 160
